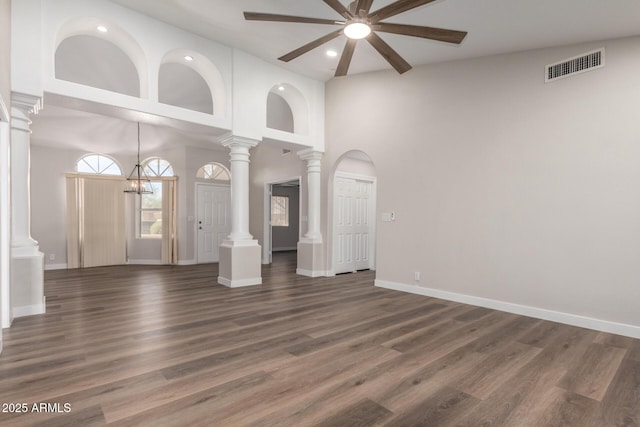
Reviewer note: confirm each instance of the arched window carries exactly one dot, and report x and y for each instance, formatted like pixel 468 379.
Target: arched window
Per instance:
pixel 151 210
pixel 98 164
pixel 213 171
pixel 156 167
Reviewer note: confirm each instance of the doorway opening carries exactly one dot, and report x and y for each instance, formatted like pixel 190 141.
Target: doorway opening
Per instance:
pixel 282 218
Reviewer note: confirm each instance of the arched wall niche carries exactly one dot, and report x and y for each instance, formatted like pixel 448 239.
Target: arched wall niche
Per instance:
pixel 298 104
pixel 279 114
pixel 205 69
pixel 115 35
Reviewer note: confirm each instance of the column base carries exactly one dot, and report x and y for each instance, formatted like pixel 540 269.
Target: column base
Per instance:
pixel 27 284
pixel 240 264
pixel 310 258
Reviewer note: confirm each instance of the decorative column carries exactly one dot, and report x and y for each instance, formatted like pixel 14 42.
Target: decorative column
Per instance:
pixel 27 262
pixel 239 254
pixel 5 222
pixel 310 247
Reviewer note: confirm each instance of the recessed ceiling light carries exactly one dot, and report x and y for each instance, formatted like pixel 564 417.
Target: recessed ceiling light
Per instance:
pixel 102 28
pixel 332 53
pixel 188 58
pixel 280 88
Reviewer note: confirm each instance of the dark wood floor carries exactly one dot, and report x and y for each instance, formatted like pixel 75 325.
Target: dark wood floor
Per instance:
pixel 167 346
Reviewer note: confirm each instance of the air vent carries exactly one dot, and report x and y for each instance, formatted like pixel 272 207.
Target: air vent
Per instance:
pixel 576 65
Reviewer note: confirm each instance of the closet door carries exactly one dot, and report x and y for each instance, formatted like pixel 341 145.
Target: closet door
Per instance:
pixel 344 226
pixel 362 226
pixel 353 224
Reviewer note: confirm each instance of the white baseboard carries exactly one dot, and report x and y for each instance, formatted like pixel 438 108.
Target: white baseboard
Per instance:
pixel 188 262
pixel 30 310
pixel 539 313
pixel 55 266
pixel 311 273
pixel 288 248
pixel 144 262
pixel 239 283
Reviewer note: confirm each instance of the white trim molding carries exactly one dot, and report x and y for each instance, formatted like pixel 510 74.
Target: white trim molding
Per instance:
pixel 144 262
pixel 239 283
pixel 309 273
pixel 188 262
pixel 30 310
pixel 48 267
pixel 524 310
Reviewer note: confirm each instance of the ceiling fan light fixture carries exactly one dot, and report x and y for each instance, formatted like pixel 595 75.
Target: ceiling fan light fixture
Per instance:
pixel 357 29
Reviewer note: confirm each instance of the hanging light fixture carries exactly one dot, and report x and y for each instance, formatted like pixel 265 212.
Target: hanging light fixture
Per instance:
pixel 138 182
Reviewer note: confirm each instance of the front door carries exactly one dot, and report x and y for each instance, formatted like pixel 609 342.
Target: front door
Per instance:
pixel 213 220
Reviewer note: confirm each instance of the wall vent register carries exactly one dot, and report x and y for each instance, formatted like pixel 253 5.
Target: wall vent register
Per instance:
pixel 578 64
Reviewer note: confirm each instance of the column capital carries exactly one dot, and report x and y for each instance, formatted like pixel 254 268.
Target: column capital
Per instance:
pixel 27 104
pixel 310 154
pixel 233 141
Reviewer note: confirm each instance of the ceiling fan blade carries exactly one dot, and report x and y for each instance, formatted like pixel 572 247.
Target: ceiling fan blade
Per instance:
pixel 388 53
pixel 309 46
pixel 257 16
pixel 339 7
pixel 363 5
pixel 396 8
pixel 449 36
pixel 345 59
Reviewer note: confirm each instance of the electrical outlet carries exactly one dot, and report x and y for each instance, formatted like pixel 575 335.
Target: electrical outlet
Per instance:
pixel 52 257
pixel 417 276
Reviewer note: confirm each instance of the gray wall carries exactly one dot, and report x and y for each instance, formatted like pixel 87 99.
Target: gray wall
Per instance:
pixel 505 188
pixel 286 238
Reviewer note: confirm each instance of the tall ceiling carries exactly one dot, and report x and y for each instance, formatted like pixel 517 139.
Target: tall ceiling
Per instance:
pixel 494 26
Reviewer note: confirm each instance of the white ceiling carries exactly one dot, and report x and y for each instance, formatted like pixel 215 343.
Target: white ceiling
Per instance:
pixel 494 26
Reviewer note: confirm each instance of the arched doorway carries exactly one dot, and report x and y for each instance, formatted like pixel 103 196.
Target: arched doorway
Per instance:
pixel 354 213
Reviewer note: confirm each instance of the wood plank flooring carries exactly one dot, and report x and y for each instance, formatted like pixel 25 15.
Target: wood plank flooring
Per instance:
pixel 168 346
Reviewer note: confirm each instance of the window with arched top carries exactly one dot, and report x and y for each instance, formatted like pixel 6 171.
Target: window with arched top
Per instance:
pixel 157 167
pixel 213 171
pixel 98 164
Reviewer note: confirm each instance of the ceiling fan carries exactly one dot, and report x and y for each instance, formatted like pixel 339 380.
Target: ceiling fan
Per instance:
pixel 359 24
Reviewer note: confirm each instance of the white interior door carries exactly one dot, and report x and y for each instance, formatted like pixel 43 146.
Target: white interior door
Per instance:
pixel 343 226
pixel 353 225
pixel 362 227
pixel 213 220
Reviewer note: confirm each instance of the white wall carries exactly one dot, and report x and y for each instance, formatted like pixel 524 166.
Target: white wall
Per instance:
pixel 505 188
pixel 49 201
pixel 5 100
pixel 5 51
